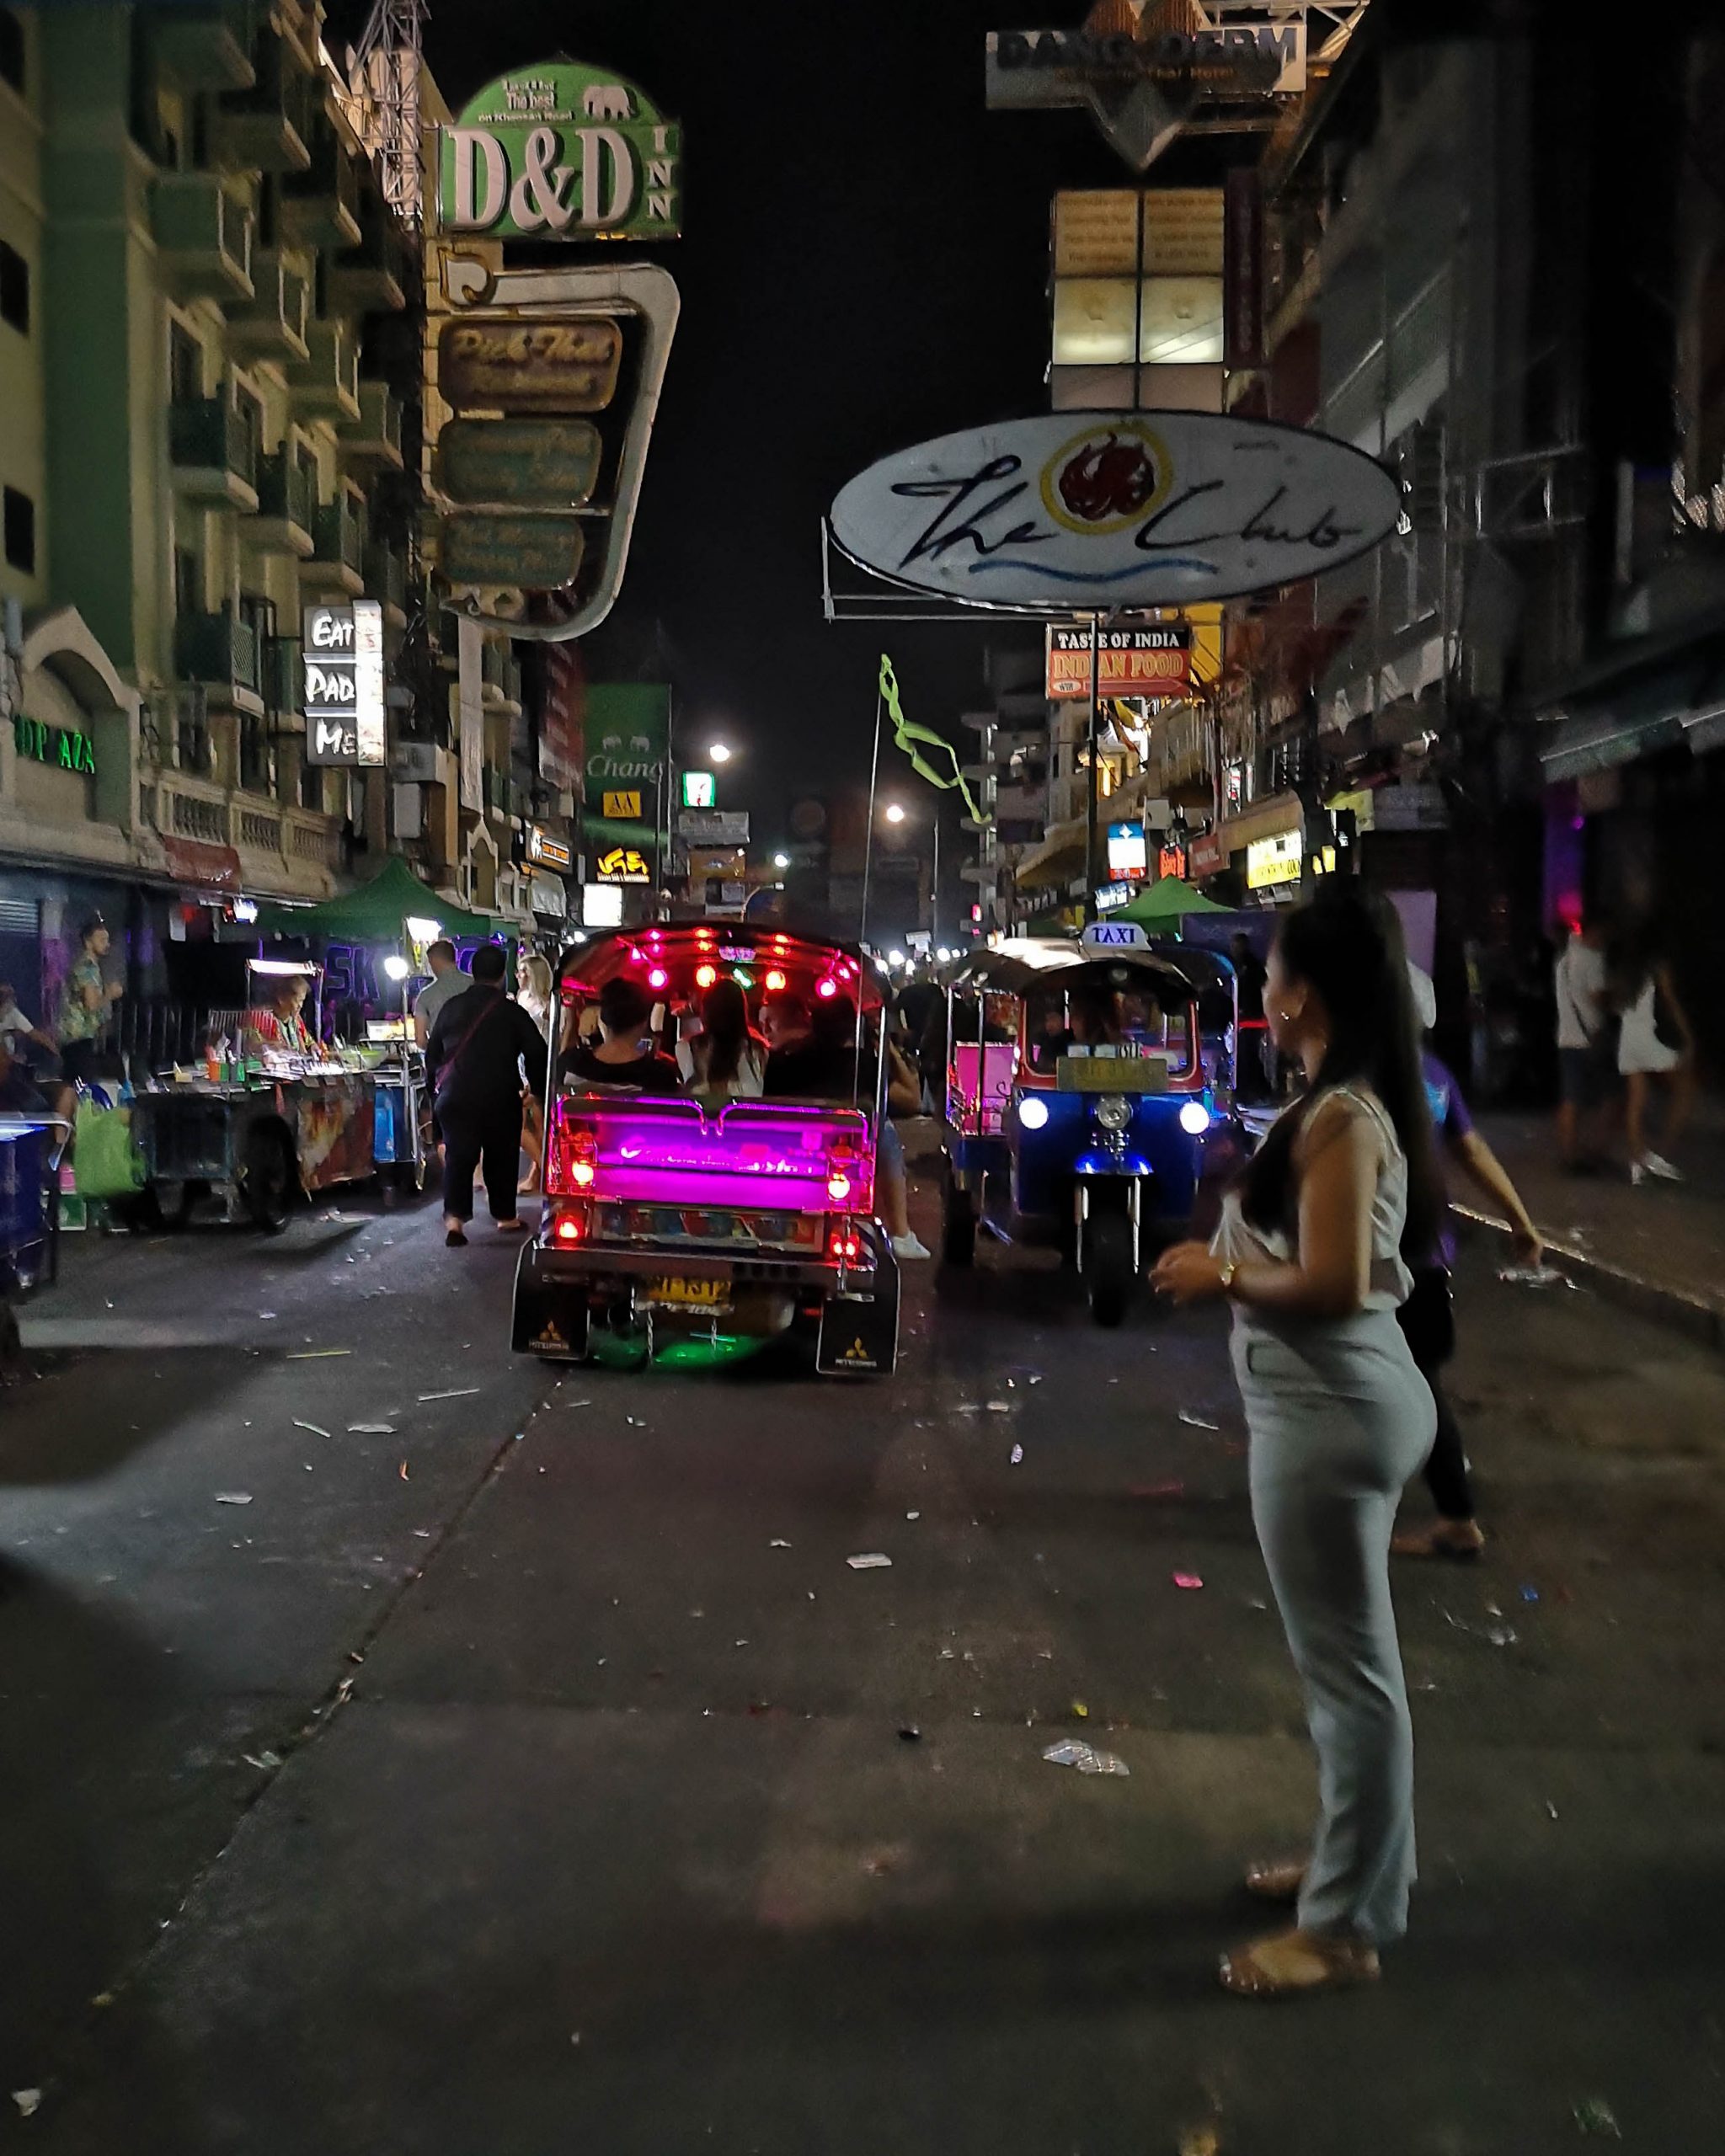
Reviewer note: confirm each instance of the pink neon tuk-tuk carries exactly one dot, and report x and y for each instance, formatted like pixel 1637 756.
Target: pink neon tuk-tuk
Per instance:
pixel 664 1216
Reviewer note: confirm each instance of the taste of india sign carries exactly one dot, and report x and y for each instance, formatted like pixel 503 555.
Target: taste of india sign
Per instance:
pixel 561 151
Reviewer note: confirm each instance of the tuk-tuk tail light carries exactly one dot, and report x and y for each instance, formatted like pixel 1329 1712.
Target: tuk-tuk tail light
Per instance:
pixel 844 1245
pixel 570 1228
pixel 581 1160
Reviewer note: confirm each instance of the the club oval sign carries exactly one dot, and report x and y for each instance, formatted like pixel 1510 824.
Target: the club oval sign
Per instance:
pixel 1115 509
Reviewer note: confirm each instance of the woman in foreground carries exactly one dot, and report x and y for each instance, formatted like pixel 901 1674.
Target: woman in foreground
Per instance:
pixel 1310 1253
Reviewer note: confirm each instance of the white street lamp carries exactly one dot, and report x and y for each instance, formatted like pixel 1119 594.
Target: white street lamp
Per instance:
pixel 719 752
pixel 780 861
pixel 894 812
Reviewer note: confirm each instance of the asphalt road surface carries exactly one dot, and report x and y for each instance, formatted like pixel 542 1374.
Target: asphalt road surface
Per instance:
pixel 531 1774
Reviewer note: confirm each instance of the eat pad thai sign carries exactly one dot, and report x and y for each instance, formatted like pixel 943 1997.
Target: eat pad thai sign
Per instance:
pixel 561 151
pixel 1110 509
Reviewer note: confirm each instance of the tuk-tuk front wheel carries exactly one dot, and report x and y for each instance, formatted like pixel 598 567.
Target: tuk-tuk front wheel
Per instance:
pixel 1107 1266
pixel 957 1225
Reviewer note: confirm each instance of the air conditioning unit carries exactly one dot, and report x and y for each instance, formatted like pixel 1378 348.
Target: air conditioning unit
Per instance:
pixel 416 762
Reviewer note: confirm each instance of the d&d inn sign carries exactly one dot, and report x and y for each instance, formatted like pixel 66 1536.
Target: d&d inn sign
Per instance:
pixel 561 151
pixel 53 744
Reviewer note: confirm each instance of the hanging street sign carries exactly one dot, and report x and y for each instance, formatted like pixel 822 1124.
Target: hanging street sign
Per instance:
pixel 1141 80
pixel 714 826
pixel 561 151
pixel 341 658
pixel 700 790
pixel 1074 510
pixel 536 363
pixel 623 864
pixel 542 552
pixel 518 463
pixel 1147 662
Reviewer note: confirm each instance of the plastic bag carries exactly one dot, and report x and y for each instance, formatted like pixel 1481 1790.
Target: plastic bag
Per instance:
pixel 104 1156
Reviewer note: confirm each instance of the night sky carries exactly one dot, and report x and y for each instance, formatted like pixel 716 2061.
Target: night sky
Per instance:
pixel 864 264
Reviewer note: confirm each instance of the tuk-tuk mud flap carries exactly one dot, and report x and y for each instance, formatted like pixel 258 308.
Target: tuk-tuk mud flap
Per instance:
pixel 551 1318
pixel 860 1338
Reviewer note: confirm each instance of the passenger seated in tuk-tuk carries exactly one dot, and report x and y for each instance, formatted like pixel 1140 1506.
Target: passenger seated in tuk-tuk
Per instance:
pixel 623 1057
pixel 725 1059
pixel 814 1058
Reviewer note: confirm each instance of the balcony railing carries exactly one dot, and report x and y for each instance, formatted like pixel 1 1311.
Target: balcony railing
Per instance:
pixel 203 48
pixel 274 319
pixel 266 128
pixel 374 276
pixel 219 651
pixel 320 206
pixel 204 236
pixel 375 437
pixel 327 380
pixel 286 505
pixel 387 581
pixel 213 451
pixel 280 684
pixel 338 547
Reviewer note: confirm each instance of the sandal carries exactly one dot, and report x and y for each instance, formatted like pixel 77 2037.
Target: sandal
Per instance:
pixel 1296 1963
pixel 1276 1879
pixel 1435 1542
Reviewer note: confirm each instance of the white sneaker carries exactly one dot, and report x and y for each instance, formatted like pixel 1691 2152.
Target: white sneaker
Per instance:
pixel 1638 1174
pixel 908 1245
pixel 1656 1164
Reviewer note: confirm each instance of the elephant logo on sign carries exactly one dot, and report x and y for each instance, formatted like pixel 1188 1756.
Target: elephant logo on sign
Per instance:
pixel 606 101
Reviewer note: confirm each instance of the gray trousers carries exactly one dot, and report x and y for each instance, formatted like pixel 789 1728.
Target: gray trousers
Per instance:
pixel 1340 1418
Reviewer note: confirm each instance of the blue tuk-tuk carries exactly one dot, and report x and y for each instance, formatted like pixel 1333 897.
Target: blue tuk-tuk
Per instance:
pixel 1099 1084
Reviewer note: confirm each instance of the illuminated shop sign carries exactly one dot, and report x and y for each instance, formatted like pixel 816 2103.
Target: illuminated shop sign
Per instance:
pixel 53 744
pixel 1274 860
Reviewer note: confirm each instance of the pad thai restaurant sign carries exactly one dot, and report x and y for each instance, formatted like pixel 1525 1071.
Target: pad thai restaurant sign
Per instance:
pixel 1108 510
pixel 561 151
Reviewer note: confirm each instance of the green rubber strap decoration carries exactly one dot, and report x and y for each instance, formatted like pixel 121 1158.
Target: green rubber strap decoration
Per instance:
pixel 905 736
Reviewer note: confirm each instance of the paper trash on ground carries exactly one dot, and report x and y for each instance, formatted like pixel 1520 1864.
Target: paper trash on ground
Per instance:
pixel 1070 1753
pixel 870 1561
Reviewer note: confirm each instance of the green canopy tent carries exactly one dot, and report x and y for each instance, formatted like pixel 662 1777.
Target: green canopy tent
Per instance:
pixel 375 911
pixel 1165 904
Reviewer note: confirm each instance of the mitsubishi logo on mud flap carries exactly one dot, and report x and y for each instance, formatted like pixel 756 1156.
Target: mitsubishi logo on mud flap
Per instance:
pixel 857 1354
pixel 551 1336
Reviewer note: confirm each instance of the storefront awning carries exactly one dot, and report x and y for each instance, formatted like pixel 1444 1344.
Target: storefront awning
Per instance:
pixel 1664 694
pixel 1057 860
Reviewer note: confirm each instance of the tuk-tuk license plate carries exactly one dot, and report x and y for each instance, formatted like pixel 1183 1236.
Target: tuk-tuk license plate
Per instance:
pixel 672 1293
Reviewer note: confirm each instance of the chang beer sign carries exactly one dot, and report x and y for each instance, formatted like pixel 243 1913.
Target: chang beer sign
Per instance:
pixel 561 151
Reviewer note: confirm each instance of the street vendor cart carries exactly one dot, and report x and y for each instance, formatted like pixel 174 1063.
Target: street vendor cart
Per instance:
pixel 258 1126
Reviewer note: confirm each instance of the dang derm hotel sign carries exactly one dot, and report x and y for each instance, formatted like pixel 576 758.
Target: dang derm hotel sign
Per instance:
pixel 561 151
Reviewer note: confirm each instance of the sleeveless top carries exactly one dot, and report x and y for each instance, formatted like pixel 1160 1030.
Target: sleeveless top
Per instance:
pixel 1389 1281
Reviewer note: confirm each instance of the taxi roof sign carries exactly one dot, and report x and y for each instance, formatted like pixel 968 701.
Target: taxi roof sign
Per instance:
pixel 1114 935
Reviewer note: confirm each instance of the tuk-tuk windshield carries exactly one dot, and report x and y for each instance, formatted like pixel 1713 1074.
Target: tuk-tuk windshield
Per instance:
pixel 1145 1017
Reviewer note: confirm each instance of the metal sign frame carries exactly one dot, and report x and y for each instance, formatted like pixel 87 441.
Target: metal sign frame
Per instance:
pixel 641 289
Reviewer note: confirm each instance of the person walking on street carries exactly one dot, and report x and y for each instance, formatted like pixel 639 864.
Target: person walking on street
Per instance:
pixel 479 1043
pixel 535 987
pixel 85 1003
pixel 447 980
pixel 1586 1075
pixel 1427 1317
pixel 1654 1042
pixel 1312 1251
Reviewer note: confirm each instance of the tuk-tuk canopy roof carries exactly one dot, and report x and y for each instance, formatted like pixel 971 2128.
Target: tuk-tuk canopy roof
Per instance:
pixel 375 912
pixel 1004 973
pixel 669 958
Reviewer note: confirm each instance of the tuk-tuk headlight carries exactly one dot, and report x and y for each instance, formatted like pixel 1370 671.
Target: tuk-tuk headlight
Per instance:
pixel 1194 1118
pixel 1114 1111
pixel 1032 1113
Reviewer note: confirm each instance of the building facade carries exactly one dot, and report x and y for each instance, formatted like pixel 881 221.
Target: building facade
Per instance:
pixel 200 434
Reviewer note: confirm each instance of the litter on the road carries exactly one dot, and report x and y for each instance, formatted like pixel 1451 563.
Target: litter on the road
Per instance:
pixel 404 1471
pixel 315 1354
pixel 1187 1580
pixel 1081 1711
pixel 233 1497
pixel 1000 1406
pixel 1200 2141
pixel 1018 1454
pixel 1196 1422
pixel 1594 2114
pixel 1535 1276
pixel 27 2100
pixel 315 1430
pixel 1529 1594
pixel 778 1542
pixel 1070 1753
pixel 266 1762
pixel 370 1429
pixel 871 1561
pixel 458 1392
pixel 909 1734
pixel 913 1515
